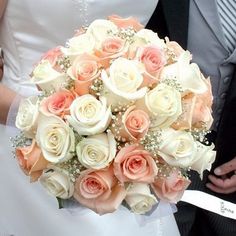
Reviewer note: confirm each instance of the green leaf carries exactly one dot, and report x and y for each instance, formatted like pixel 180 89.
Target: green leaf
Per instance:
pixel 60 203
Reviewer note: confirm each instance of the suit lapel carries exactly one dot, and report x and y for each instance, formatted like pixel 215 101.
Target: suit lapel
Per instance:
pixel 212 18
pixel 176 15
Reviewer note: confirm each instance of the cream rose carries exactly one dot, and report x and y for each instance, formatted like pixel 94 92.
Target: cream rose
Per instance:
pixel 57 183
pixel 97 151
pixel 205 156
pixel 89 115
pixel 187 74
pixel 164 105
pixel 47 78
pixel 139 198
pixel 122 86
pixel 99 30
pixel 78 45
pixel 27 116
pixel 55 138
pixel 147 37
pixel 177 148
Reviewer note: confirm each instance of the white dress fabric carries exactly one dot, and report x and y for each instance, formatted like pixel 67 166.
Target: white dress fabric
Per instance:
pixel 28 29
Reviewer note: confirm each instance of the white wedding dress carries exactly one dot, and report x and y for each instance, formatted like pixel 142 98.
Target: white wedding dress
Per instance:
pixel 28 29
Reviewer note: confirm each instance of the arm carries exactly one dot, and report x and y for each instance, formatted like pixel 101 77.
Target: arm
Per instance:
pixel 7 97
pixel 3 4
pixel 223 183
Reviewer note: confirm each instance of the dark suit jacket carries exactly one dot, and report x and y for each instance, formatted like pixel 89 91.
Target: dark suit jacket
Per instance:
pixel 171 19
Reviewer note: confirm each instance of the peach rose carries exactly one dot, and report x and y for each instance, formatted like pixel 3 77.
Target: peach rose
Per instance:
pixel 126 22
pixel 133 124
pixel 154 60
pixel 174 47
pixel 99 190
pixel 111 48
pixel 196 114
pixel 133 164
pixel 83 71
pixel 202 117
pixel 52 56
pixel 58 103
pixel 170 188
pixel 136 122
pixel 31 160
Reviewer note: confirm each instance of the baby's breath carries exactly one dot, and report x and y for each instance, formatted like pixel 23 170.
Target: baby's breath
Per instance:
pixel 97 87
pixel 172 82
pixel 151 141
pixel 64 63
pixel 73 167
pixel 126 34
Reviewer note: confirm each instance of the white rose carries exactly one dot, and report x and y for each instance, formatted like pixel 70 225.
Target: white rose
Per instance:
pixel 97 151
pixel 47 78
pixel 89 115
pixel 55 138
pixel 57 183
pixel 164 105
pixel 99 30
pixel 205 156
pixel 139 198
pixel 147 37
pixel 186 74
pixel 78 45
pixel 177 148
pixel 122 87
pixel 27 116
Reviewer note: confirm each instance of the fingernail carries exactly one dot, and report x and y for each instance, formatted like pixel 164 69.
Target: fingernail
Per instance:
pixel 217 171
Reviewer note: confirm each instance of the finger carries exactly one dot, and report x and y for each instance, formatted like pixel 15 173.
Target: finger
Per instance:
pixel 226 168
pixel 213 188
pixel 223 183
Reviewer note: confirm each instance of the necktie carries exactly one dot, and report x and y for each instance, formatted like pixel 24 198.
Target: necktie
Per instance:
pixel 227 13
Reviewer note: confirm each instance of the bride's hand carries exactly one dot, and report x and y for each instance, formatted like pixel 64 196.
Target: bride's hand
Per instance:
pixel 7 97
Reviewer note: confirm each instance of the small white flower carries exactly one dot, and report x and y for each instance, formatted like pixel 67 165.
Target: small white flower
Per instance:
pixel 177 148
pixel 164 105
pixel 97 151
pixel 146 37
pixel 47 78
pixel 139 198
pixel 55 138
pixel 57 183
pixel 27 116
pixel 99 30
pixel 187 74
pixel 205 156
pixel 78 45
pixel 89 115
pixel 123 84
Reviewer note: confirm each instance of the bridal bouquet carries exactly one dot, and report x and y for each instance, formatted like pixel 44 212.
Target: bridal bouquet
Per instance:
pixel 120 119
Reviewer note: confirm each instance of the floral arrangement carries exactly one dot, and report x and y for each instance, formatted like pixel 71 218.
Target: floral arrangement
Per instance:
pixel 120 119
